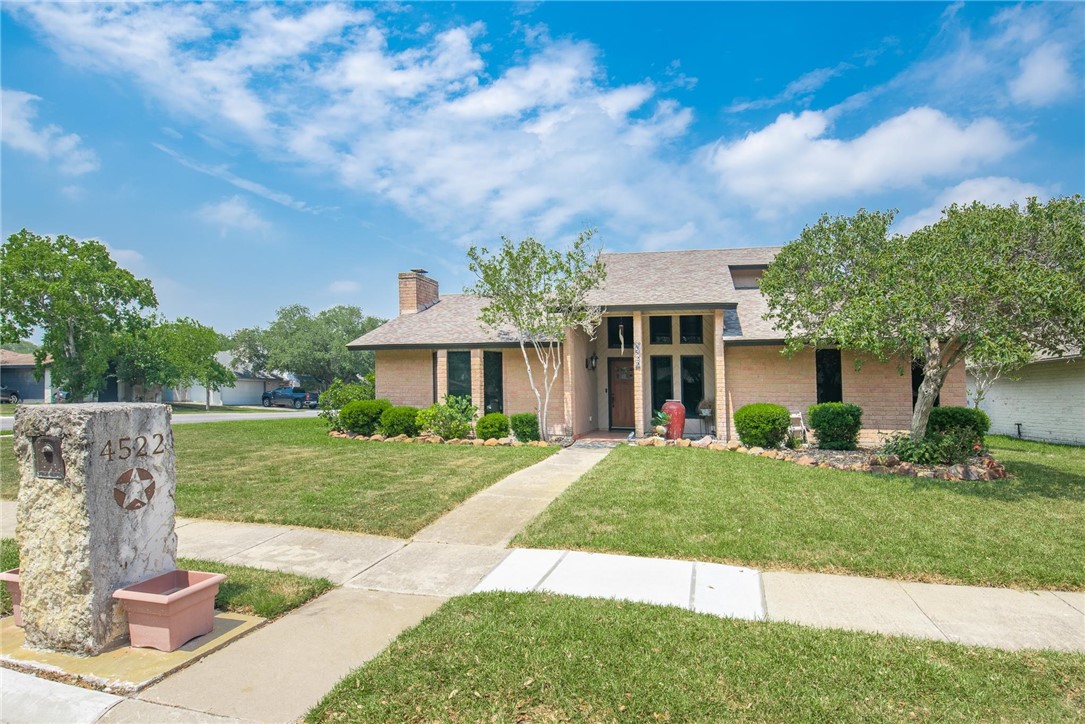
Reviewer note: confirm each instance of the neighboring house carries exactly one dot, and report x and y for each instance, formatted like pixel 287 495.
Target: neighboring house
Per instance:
pixel 685 325
pixel 17 372
pixel 1046 402
pixel 247 390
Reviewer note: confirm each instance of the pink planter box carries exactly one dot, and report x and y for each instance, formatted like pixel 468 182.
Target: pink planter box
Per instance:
pixel 11 580
pixel 166 611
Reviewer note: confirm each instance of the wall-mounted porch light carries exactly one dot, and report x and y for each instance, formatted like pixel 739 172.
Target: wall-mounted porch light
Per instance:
pixel 591 362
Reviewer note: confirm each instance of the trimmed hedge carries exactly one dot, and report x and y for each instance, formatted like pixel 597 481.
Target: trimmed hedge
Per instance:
pixel 400 421
pixel 493 425
pixel 362 416
pixel 836 424
pixel 943 419
pixel 762 424
pixel 525 426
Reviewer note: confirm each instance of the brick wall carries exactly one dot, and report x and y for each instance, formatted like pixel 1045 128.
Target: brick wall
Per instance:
pixel 416 292
pixel 762 374
pixel 405 377
pixel 519 396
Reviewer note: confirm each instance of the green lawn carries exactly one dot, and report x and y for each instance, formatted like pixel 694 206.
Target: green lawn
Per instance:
pixel 534 657
pixel 268 594
pixel 718 506
pixel 290 472
pixel 187 408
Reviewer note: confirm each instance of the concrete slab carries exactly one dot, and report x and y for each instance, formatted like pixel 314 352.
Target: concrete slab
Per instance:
pixel 430 569
pixel 521 571
pixel 335 556
pixel 279 672
pixel 648 580
pixel 1001 617
pixel 1072 599
pixel 845 602
pixel 32 700
pixel 217 540
pixel 727 591
pixel 123 668
pixel 7 518
pixel 180 522
pixel 484 520
pixel 134 711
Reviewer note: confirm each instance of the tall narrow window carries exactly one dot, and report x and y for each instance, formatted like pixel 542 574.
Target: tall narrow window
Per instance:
pixel 662 381
pixel 459 374
pixel 917 380
pixel 659 330
pixel 493 382
pixel 692 383
pixel 691 330
pixel 827 364
pixel 620 332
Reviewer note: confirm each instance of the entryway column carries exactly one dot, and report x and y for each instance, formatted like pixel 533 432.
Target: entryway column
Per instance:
pixel 640 424
pixel 720 403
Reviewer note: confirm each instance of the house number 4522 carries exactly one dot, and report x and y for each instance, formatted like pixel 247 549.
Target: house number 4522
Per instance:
pixel 134 447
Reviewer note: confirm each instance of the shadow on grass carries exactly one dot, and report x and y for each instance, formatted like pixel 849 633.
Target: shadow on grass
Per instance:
pixel 1029 481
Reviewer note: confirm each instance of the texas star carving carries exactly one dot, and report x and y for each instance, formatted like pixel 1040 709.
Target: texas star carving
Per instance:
pixel 134 489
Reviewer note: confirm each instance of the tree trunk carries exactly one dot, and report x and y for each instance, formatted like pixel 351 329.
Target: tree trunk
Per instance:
pixel 207 403
pixel 939 359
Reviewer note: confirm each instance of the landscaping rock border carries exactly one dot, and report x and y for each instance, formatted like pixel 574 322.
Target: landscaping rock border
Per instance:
pixel 863 461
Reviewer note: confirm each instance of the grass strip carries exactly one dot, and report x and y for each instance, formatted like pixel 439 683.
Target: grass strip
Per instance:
pixel 535 657
pixel 253 591
pixel 1026 532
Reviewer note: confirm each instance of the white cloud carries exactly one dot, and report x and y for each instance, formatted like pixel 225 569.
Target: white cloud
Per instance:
pixel 804 85
pixel 49 142
pixel 794 161
pixel 1045 77
pixel 989 190
pixel 344 287
pixel 223 173
pixel 233 213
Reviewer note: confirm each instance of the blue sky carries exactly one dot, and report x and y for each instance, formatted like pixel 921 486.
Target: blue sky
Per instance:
pixel 247 156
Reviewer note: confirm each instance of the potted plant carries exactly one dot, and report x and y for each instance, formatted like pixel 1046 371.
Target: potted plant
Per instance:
pixel 704 408
pixel 11 581
pixel 660 421
pixel 166 611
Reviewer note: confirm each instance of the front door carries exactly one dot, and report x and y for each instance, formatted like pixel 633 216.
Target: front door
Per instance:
pixel 621 392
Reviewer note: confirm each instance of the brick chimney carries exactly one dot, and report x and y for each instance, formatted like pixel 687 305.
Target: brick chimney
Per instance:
pixel 416 291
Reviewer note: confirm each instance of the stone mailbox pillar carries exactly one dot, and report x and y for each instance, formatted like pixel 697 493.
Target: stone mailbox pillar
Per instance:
pixel 96 513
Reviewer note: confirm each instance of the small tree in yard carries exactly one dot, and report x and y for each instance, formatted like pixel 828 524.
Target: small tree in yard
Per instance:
pixel 991 284
pixel 536 294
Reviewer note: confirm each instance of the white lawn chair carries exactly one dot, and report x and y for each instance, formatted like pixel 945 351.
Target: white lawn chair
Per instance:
pixel 798 426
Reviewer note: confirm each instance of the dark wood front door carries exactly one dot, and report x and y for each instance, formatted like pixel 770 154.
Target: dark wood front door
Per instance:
pixel 620 375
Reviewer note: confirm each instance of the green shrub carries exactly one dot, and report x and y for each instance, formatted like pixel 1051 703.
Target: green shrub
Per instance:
pixel 338 396
pixel 400 421
pixel 835 424
pixel 762 424
pixel 948 418
pixel 449 419
pixel 951 447
pixel 362 416
pixel 525 426
pixel 493 425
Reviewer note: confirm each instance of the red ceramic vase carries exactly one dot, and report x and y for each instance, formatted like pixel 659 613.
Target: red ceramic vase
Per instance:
pixel 677 425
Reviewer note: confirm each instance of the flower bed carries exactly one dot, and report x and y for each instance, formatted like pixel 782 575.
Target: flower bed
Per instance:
pixel 438 440
pixel 866 461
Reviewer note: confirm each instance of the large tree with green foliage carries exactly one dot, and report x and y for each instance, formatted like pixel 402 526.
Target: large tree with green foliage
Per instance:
pixel 989 283
pixel 173 354
pixel 77 296
pixel 536 294
pixel 307 344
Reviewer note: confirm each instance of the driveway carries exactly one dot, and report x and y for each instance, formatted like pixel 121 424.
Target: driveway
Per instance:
pixel 7 422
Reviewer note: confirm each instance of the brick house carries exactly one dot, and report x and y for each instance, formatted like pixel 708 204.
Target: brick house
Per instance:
pixel 683 325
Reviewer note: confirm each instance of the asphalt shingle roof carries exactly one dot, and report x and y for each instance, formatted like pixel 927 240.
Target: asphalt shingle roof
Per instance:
pixel 642 280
